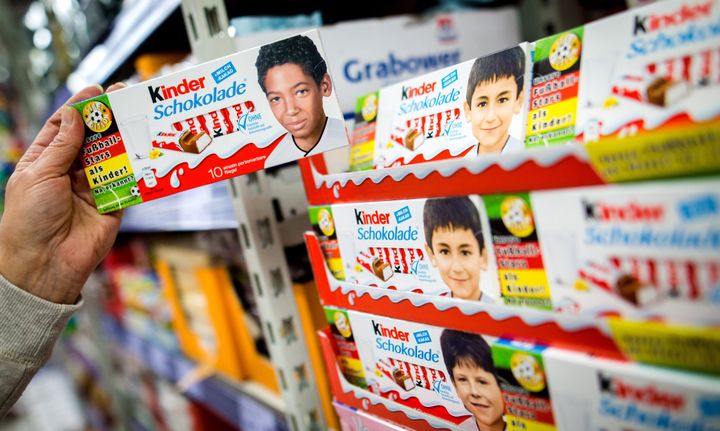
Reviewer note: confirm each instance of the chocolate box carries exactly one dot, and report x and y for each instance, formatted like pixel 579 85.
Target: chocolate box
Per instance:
pixel 203 124
pixel 652 71
pixel 384 244
pixel 591 393
pixel 492 381
pixel 643 251
pixel 434 116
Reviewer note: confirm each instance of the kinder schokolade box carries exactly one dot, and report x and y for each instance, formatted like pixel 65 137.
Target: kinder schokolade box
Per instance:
pixel 468 380
pixel 230 116
pixel 646 250
pixel 476 107
pixel 591 394
pixel 652 71
pixel 432 246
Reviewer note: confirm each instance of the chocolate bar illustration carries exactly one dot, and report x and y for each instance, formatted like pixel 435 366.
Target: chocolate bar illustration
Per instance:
pixel 187 141
pixel 219 122
pixel 664 92
pixel 414 139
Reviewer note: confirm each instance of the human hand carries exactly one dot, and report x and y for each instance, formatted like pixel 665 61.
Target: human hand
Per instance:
pixel 51 235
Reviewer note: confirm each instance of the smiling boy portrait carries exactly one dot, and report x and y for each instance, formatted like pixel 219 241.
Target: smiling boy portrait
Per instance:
pixel 494 96
pixel 294 77
pixel 455 245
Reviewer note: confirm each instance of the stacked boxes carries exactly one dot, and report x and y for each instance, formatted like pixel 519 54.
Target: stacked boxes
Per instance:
pixel 649 73
pixel 471 381
pixel 647 250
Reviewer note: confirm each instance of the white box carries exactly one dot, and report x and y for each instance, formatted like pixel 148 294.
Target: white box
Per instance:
pixel 384 244
pixel 464 379
pixel 210 122
pixel 436 116
pixel 591 394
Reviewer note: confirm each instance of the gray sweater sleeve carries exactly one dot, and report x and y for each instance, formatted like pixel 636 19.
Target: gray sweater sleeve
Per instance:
pixel 29 328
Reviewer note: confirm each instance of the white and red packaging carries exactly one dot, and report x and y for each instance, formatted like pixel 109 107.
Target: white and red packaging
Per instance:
pixel 594 394
pixel 407 363
pixel 204 124
pixel 648 250
pixel 384 244
pixel 650 69
pixel 429 117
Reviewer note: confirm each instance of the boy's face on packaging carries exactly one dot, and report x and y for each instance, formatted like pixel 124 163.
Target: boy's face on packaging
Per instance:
pixel 491 111
pixel 296 100
pixel 457 256
pixel 479 392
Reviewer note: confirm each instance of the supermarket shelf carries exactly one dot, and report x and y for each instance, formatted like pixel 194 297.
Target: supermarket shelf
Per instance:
pixel 610 337
pixel 245 405
pixel 131 28
pixel 632 159
pixel 573 332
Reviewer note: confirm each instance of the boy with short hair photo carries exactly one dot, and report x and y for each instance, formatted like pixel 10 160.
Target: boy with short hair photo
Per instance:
pixel 494 96
pixel 294 77
pixel 469 363
pixel 454 243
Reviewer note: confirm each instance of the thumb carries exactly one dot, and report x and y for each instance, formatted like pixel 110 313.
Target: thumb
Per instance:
pixel 63 150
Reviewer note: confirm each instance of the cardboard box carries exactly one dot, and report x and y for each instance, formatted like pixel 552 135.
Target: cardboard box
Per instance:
pixel 385 244
pixel 436 116
pixel 490 381
pixel 596 394
pixel 648 250
pixel 207 123
pixel 647 71
pixel 642 251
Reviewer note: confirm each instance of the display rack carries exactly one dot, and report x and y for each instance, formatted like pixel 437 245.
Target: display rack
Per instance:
pixel 535 169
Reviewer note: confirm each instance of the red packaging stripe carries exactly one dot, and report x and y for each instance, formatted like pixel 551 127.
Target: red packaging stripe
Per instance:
pixel 400 258
pixel 216 123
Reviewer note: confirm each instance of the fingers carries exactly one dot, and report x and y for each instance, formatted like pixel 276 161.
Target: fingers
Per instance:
pixel 59 155
pixel 51 128
pixel 116 86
